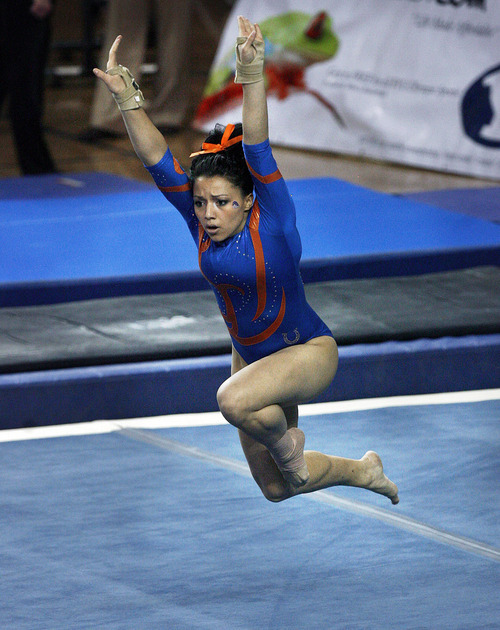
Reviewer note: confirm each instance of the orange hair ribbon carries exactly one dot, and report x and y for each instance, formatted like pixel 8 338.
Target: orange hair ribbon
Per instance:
pixel 208 147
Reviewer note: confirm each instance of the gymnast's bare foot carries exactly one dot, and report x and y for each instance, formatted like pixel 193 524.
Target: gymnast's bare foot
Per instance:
pixel 377 481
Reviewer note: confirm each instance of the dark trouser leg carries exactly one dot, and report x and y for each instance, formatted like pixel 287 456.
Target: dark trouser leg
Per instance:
pixel 25 46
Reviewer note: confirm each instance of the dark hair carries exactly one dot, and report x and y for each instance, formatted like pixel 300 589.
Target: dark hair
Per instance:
pixel 229 163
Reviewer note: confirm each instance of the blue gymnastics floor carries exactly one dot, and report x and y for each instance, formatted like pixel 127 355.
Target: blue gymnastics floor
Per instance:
pixel 93 235
pixel 128 526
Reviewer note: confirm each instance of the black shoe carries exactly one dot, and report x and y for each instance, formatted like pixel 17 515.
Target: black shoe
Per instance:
pixel 93 134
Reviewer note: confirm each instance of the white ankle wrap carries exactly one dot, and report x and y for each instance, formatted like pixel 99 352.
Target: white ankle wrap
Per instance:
pixel 288 453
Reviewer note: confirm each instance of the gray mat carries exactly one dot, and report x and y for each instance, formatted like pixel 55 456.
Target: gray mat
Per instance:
pixel 153 327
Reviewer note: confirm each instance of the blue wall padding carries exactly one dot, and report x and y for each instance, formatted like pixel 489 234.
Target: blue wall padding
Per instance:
pixel 190 385
pixel 423 366
pixel 106 392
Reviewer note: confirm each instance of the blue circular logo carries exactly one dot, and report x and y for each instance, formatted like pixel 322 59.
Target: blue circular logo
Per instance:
pixel 481 109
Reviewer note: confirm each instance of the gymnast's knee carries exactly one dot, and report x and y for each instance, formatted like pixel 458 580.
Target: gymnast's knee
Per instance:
pixel 231 404
pixel 275 491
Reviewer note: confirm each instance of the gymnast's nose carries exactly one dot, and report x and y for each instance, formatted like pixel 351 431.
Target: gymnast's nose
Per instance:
pixel 210 210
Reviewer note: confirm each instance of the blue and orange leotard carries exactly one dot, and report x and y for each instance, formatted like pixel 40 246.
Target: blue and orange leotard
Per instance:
pixel 254 274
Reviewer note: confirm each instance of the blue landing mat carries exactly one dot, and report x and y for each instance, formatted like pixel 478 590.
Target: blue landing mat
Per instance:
pixel 67 186
pixel 110 531
pixel 482 203
pixel 81 243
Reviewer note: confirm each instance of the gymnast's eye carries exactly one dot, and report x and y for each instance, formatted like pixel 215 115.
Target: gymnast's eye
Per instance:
pixel 198 203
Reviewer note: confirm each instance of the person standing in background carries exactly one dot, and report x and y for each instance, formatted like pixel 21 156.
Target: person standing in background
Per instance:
pixel 132 19
pixel 24 46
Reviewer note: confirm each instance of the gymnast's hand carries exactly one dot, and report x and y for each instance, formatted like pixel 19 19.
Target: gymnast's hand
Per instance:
pixel 253 34
pixel 114 83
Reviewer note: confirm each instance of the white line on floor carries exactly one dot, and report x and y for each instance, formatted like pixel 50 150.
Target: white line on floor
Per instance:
pixel 358 507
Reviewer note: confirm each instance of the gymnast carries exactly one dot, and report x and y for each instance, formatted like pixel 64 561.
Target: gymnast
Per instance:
pixel 237 208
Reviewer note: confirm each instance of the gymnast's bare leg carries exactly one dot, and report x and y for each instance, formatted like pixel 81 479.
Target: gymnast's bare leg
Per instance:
pixel 325 471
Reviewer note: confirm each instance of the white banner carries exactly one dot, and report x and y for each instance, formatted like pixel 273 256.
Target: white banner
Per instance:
pixel 408 81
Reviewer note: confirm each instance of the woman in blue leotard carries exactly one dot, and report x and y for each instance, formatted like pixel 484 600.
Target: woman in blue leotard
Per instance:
pixel 242 219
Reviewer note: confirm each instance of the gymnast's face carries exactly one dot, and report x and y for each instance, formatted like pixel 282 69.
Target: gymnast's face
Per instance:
pixel 221 207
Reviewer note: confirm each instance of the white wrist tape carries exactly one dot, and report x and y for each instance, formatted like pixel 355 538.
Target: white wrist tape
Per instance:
pixel 131 97
pixel 249 72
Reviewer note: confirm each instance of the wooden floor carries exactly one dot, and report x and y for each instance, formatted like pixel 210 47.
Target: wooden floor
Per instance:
pixel 67 111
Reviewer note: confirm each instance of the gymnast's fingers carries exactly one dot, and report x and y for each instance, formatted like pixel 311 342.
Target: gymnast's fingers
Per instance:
pixel 259 37
pixel 112 59
pixel 245 27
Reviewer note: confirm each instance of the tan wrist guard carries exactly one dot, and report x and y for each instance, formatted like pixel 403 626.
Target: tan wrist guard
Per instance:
pixel 131 97
pixel 249 72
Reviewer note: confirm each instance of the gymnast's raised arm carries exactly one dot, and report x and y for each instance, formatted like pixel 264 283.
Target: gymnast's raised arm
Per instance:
pixel 250 73
pixel 147 140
